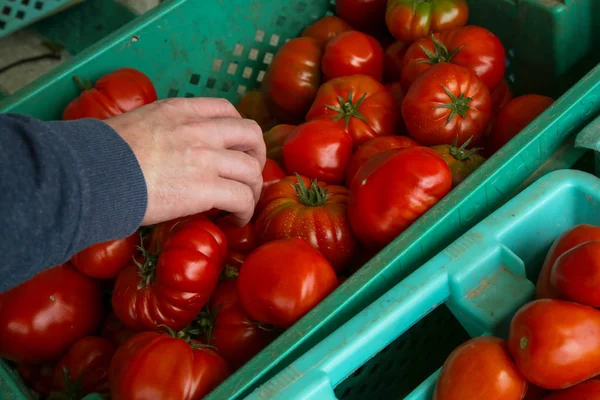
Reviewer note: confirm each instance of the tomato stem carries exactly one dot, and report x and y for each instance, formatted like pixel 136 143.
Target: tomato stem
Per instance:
pixel 312 197
pixel 230 272
pixel 523 342
pixel 458 105
pixel 440 53
pixel 348 109
pixel 81 85
pixel 73 389
pixel 461 153
pixel 147 270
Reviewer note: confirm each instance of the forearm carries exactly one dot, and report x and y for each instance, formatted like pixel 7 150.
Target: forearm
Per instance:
pixel 63 187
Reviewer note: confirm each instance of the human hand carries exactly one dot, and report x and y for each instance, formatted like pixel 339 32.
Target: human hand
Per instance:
pixel 195 154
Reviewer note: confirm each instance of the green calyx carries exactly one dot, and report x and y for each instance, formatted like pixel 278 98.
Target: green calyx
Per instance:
pixel 440 53
pixel 461 153
pixel 147 269
pixel 348 109
pixel 312 197
pixel 458 105
pixel 82 85
pixel 230 272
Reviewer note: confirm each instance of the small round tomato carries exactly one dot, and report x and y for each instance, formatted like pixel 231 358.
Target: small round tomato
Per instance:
pixel 114 331
pixel 589 390
pixel 393 189
pixel 272 173
pixel 576 274
pixel 158 366
pixel 480 369
pixel 252 106
pixel 575 236
pixel 373 147
pixel 293 79
pixel 555 343
pixel 515 116
pixel 295 207
pixel 42 317
pixel 105 260
pixel 462 162
pixel 409 20
pixel 84 368
pixel 239 239
pixel 283 280
pixel 472 47
pixel 116 93
pixel 365 15
pixel 318 149
pixel 352 53
pixel 393 61
pixel 360 104
pixel 274 140
pixel 326 29
pixel 445 102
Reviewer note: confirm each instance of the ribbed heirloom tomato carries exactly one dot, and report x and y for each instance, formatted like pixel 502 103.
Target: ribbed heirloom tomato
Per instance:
pixel 326 29
pixel 116 93
pixel 175 278
pixel 105 260
pixel 409 20
pixel 445 103
pixel 295 207
pixel 393 189
pixel 352 53
pixel 358 103
pixel 472 47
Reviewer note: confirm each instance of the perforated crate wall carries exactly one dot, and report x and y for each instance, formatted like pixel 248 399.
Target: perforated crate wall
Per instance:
pixel 16 14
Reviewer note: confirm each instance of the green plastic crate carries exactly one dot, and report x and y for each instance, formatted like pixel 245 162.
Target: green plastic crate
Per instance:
pixel 17 14
pixel 221 48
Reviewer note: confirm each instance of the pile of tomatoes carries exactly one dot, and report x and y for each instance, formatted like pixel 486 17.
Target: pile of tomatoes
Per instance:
pixel 553 348
pixel 366 129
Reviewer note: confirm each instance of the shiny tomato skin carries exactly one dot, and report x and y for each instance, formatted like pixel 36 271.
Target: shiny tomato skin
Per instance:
pixel 283 213
pixel 283 280
pixel 472 47
pixel 326 29
pixel 114 331
pixel 293 79
pixel 555 343
pixel 392 190
pixel 272 173
pixel 480 369
pixel 116 93
pixel 373 147
pixel 176 278
pixel 589 390
pixel 318 149
pixel 365 15
pixel 42 317
pixel 409 20
pixel 352 53
pixel 274 139
pixel 393 61
pixel 239 239
pixel 575 236
pixel 378 107
pixel 157 366
pixel 105 260
pixel 87 361
pixel 425 111
pixel 576 274
pixel 252 106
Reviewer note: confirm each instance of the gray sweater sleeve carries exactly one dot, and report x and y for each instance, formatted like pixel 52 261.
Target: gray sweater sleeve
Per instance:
pixel 64 185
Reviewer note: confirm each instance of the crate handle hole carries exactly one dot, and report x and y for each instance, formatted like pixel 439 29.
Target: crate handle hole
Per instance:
pixel 20 14
pixel 260 35
pixel 281 20
pixel 239 49
pixel 260 76
pixel 274 40
pixel 216 66
pixel 241 89
pixel 232 68
pixel 6 10
pixel 38 5
pixel 210 83
pixel 268 58
pixel 247 73
pixel 253 55
pixel 195 79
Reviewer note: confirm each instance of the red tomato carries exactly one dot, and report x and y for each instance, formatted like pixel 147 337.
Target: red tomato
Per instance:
pixel 360 104
pixel 252 106
pixel 116 93
pixel 515 116
pixel 42 317
pixel 105 260
pixel 589 390
pixel 170 286
pixel 274 140
pixel 395 88
pixel 393 61
pixel 240 240
pixel 315 212
pixel 371 148
pixel 157 366
pixel 272 173
pixel 283 280
pixel 555 343
pixel 86 363
pixel 535 393
pixel 326 29
pixel 114 331
pixel 232 265
pixel 409 20
pixel 293 79
pixel 480 369
pixel 576 274
pixel 472 47
pixel 364 15
pixel 500 96
pixel 445 102
pixel 352 53
pixel 393 189
pixel 462 162
pixel 38 377
pixel 318 149
pixel 572 238
pixel 225 294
